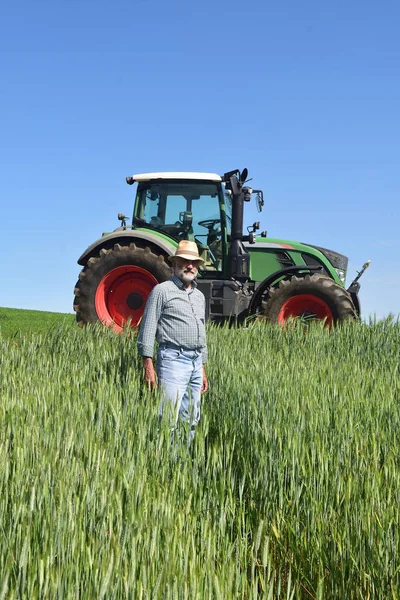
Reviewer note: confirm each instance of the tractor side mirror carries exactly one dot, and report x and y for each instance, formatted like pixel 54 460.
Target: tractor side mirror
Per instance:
pixel 259 199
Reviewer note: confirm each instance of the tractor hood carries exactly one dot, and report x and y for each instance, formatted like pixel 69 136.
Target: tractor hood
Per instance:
pixel 269 255
pixel 338 261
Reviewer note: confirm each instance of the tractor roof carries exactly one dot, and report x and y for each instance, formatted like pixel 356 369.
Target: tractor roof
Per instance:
pixel 177 175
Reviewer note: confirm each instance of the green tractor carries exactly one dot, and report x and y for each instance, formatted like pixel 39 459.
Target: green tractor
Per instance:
pixel 243 275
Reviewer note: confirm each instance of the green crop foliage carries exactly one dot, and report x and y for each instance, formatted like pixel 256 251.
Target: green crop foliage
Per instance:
pixel 14 321
pixel 291 490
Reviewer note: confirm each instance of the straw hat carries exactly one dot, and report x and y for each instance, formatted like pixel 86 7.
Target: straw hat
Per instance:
pixel 187 250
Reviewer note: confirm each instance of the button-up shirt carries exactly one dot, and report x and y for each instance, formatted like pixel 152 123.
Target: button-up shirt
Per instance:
pixel 174 315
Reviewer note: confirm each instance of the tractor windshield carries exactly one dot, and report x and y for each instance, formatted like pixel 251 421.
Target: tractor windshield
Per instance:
pixel 182 209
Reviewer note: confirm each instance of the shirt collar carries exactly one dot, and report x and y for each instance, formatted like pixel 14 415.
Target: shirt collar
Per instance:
pixel 179 283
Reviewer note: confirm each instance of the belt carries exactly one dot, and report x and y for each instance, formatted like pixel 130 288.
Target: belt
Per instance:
pixel 164 345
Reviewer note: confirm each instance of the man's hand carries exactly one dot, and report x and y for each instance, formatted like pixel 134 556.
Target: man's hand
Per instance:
pixel 149 372
pixel 204 386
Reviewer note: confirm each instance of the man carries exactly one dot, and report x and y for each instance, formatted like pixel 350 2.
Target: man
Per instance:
pixel 175 316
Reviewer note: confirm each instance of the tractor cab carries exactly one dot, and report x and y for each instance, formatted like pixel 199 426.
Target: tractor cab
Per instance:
pixel 187 206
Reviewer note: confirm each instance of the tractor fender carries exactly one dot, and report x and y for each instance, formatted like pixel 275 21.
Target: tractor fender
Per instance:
pixel 282 273
pixel 125 237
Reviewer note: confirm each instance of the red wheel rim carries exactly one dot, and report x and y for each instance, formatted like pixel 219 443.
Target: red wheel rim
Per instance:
pixel 307 306
pixel 121 296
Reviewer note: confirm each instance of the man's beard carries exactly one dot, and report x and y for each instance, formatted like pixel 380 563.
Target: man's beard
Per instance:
pixel 186 276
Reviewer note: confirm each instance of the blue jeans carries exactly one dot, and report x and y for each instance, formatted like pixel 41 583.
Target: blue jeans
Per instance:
pixel 180 379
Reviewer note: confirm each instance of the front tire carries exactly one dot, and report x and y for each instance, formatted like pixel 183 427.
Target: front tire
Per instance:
pixel 114 286
pixel 315 297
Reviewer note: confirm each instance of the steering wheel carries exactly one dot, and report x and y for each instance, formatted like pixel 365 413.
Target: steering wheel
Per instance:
pixel 210 224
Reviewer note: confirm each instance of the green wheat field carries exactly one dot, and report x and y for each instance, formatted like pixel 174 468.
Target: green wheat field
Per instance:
pixel 291 490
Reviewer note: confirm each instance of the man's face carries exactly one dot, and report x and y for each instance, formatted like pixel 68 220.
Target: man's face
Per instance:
pixel 186 270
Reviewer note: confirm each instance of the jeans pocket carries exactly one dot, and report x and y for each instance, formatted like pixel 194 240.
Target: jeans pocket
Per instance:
pixel 170 354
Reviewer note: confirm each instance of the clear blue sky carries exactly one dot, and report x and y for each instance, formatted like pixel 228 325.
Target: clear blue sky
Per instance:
pixel 304 94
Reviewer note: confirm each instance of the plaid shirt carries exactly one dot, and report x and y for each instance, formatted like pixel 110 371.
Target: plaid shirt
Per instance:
pixel 174 316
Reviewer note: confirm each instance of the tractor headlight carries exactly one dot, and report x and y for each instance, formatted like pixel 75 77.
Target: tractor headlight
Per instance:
pixel 341 275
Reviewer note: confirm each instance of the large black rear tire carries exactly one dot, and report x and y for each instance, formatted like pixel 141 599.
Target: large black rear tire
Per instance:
pixel 315 297
pixel 114 286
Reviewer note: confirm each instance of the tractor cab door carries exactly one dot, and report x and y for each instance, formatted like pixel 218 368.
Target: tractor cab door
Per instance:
pixel 186 210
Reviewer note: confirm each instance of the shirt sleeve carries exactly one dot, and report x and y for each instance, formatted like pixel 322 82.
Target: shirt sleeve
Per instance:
pixel 148 326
